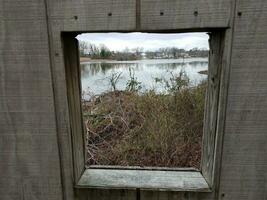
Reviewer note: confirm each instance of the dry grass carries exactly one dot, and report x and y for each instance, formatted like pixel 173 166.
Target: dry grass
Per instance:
pixel 132 129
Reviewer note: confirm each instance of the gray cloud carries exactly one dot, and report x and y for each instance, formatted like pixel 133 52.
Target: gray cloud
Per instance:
pixel 149 41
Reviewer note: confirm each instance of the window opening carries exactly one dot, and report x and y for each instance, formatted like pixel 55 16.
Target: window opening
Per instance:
pixel 143 98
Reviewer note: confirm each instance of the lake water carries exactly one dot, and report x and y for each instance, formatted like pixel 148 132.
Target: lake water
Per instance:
pixel 95 75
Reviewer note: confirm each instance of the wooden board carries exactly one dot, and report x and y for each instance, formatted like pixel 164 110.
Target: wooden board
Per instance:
pixel 91 16
pixel 100 15
pixel 105 194
pixel 71 55
pixel 143 179
pixel 31 57
pixel 151 195
pixel 209 142
pixel 29 154
pixel 185 14
pixel 244 162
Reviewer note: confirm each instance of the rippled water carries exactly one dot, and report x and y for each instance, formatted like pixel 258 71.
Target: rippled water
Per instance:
pixel 95 75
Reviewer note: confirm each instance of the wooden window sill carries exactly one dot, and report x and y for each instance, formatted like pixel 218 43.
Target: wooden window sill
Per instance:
pixel 163 180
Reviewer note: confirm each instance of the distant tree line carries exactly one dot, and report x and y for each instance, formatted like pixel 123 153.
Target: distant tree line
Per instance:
pixel 173 52
pixel 103 52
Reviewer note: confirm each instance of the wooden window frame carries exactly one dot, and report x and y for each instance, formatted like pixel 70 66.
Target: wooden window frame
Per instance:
pixel 215 107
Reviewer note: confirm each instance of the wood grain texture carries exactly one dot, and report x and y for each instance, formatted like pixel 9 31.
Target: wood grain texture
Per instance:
pixel 100 194
pixel 211 105
pixel 93 15
pixel 185 14
pixel 31 170
pixel 243 174
pixel 29 160
pixel 23 10
pixel 143 179
pixel 151 195
pixel 74 92
pixel 222 106
pixel 62 112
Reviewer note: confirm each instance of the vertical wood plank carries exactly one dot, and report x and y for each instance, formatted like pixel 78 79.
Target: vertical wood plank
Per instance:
pixel 29 154
pixel 244 161
pixel 73 79
pixel 185 14
pixel 160 195
pixel 105 194
pixel 211 105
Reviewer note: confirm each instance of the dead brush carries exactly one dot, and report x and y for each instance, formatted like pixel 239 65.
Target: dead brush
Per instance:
pixel 132 129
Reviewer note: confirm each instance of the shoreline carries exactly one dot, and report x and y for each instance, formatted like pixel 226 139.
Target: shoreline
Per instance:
pixel 86 60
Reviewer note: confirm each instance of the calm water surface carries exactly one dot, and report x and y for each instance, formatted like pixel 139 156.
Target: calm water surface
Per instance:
pixel 95 75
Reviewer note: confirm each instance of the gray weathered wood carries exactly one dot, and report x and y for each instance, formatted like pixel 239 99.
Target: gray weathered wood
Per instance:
pixel 93 15
pixel 105 194
pixel 142 168
pixel 73 79
pixel 143 179
pixel 151 195
pixel 29 154
pixel 211 105
pixel 244 161
pixel 32 70
pixel 185 14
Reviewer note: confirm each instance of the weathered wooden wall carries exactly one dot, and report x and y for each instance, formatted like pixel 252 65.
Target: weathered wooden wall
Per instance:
pixel 29 153
pixel 244 161
pixel 35 144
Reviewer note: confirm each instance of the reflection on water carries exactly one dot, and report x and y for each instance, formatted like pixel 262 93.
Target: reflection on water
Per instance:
pixel 95 74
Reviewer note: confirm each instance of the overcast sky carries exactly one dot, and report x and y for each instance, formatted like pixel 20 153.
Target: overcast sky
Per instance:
pixel 149 41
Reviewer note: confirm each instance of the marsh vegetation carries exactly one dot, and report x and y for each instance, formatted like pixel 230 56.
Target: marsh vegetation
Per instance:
pixel 131 124
pixel 143 97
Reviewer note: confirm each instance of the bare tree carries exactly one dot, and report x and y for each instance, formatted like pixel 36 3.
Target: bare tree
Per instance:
pixel 83 48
